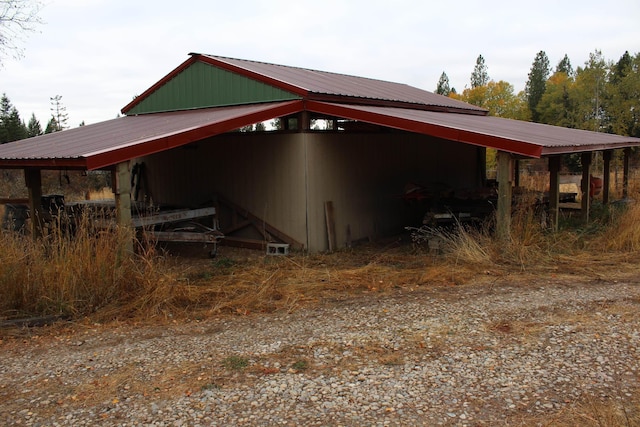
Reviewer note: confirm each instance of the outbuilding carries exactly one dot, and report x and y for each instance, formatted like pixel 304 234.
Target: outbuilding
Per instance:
pixel 331 169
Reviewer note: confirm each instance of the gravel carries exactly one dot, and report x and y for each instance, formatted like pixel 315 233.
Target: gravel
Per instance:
pixel 508 353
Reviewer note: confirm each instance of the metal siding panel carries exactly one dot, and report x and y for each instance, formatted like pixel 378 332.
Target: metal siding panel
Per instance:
pixel 364 176
pixel 201 85
pixel 262 173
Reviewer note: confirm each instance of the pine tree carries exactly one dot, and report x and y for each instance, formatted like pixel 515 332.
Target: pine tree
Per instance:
pixel 480 76
pixel 443 85
pixel 33 127
pixel 536 85
pixel 59 114
pixel 12 128
pixel 52 126
pixel 564 66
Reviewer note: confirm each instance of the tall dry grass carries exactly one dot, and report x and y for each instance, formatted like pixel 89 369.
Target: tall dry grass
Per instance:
pixel 79 273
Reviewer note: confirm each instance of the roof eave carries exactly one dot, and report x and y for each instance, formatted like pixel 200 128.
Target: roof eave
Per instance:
pixel 106 158
pixel 52 164
pixel 444 132
pixel 555 151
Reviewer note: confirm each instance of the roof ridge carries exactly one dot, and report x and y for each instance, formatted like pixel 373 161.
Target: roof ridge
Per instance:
pixel 223 58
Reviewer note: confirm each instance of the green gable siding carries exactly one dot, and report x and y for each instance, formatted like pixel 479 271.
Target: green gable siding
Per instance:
pixel 202 85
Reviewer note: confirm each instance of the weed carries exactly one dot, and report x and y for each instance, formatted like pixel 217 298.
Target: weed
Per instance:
pixel 300 365
pixel 235 363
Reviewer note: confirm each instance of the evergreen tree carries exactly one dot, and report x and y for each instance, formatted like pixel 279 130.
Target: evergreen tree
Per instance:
pixel 59 114
pixel 480 76
pixel 535 86
pixel 443 85
pixel 564 66
pixel 623 96
pixel 33 127
pixel 52 126
pixel 12 128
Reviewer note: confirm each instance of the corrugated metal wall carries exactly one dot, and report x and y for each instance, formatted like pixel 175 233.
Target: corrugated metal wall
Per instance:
pixel 203 85
pixel 365 175
pixel 268 174
pixel 263 173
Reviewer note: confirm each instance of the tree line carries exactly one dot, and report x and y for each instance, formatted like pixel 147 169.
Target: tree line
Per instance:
pixel 13 128
pixel 601 95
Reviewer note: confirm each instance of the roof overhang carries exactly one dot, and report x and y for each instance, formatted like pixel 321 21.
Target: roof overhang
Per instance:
pixel 515 136
pixel 104 144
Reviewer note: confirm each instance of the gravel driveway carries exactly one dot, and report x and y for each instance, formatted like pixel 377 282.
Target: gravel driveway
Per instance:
pixel 501 353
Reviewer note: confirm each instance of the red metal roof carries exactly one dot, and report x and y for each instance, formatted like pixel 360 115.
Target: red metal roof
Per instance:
pixel 104 144
pixel 515 136
pixel 326 86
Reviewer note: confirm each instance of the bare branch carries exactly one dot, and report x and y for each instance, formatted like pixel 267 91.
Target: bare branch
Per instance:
pixel 17 18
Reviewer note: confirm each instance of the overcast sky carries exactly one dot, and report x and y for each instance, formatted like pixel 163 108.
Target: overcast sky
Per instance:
pixel 98 54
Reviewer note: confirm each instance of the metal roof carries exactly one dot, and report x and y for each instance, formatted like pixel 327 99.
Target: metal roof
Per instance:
pixel 515 136
pixel 322 86
pixel 104 144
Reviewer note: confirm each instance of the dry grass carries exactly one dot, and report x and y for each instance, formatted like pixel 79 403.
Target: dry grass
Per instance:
pixel 88 274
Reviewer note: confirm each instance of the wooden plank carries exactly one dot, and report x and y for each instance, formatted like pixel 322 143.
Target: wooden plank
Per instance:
pixel 14 201
pixel 331 225
pixel 173 216
pixel 262 224
pixel 183 236
pixel 242 242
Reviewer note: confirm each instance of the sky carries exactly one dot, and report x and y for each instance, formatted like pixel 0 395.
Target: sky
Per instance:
pixel 99 54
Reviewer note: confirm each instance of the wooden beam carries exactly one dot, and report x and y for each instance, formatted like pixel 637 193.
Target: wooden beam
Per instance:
pixel 585 186
pixel 33 179
pixel 503 216
pixel 606 179
pixel 122 192
pixel 554 191
pixel 331 225
pixel 625 173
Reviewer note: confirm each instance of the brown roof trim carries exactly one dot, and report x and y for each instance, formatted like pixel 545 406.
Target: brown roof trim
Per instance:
pixel 439 131
pixel 50 164
pixel 180 68
pixel 105 158
pixel 553 151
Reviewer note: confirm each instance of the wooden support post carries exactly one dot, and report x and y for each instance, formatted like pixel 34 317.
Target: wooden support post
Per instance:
pixel 304 121
pixel 625 173
pixel 585 186
pixel 606 172
pixel 503 216
pixel 516 173
pixel 554 191
pixel 331 225
pixel 122 192
pixel 33 179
